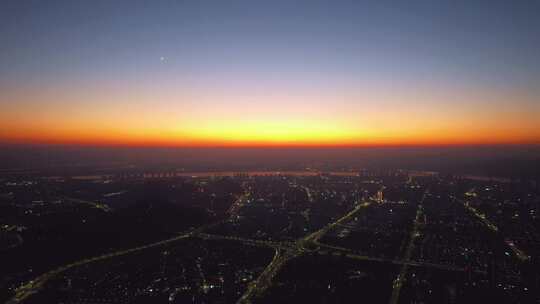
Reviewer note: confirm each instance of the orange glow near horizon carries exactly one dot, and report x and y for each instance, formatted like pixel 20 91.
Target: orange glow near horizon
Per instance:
pixel 266 140
pixel 264 134
pixel 255 119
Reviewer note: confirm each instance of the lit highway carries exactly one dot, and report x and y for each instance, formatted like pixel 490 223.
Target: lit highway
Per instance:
pixel 257 287
pixel 249 242
pixel 101 206
pixel 398 282
pixel 35 285
pixel 518 253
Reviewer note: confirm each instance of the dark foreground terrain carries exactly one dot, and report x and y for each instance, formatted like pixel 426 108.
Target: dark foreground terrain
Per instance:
pixel 268 237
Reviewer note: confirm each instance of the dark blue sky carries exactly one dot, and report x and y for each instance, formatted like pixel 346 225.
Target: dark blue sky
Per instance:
pixel 484 41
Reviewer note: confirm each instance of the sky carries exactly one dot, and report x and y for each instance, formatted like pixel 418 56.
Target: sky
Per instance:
pixel 269 73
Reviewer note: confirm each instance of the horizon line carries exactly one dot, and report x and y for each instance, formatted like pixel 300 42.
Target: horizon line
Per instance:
pixel 263 145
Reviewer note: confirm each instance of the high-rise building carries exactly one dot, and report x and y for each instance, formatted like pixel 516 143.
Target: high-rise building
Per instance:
pixel 379 196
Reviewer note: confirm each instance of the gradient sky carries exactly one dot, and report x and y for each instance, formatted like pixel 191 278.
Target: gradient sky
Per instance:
pixel 199 73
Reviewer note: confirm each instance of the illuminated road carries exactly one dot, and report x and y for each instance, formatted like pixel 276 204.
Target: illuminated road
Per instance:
pixel 248 242
pixel 518 253
pixel 308 193
pixel 257 287
pixel 315 236
pixel 398 282
pixel 238 204
pixel 481 217
pixel 335 250
pixel 33 286
pixel 101 206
